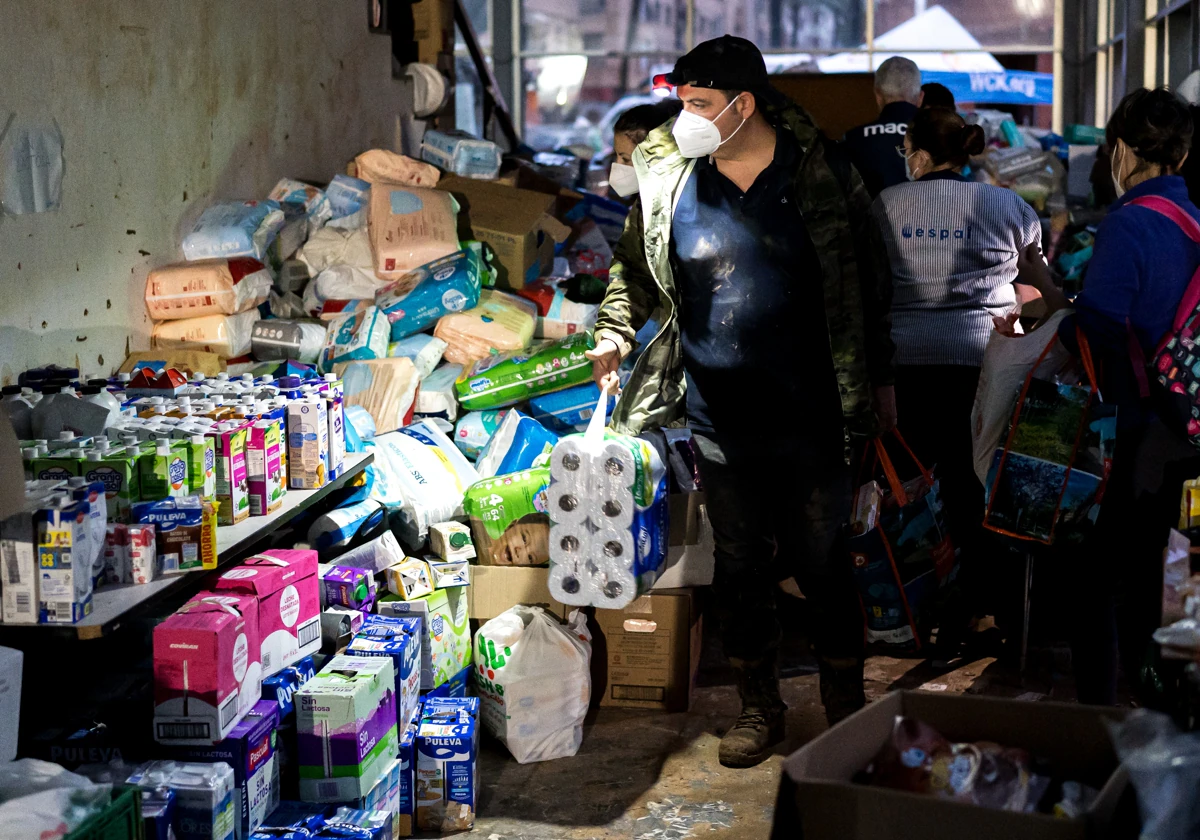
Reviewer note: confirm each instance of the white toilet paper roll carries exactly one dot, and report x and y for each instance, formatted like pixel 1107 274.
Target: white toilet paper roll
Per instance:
pixel 612 548
pixel 615 465
pixel 570 461
pixel 613 509
pixel 570 543
pixel 567 505
pixel 570 584
pixel 615 588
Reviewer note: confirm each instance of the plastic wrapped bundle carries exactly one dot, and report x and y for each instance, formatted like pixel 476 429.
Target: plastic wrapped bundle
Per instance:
pixel 409 227
pixel 416 302
pixel 206 287
pixel 234 229
pixel 501 323
pixel 510 378
pixel 226 335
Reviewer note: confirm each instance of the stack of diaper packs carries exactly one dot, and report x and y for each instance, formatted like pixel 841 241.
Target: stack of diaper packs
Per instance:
pixel 607 502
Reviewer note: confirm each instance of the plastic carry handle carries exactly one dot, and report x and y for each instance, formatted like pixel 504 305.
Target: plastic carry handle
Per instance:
pixel 889 469
pixel 594 436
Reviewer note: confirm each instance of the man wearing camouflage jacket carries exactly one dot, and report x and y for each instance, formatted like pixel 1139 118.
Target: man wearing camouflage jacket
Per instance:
pixel 752 247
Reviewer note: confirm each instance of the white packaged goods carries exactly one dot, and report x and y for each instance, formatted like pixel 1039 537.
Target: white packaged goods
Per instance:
pixel 475 429
pixel 436 397
pixel 534 682
pixel 420 473
pixel 380 165
pixel 360 335
pixel 316 205
pixel 338 527
pixel 226 335
pixel 330 246
pixel 423 350
pixel 276 339
pixel 374 556
pixel 409 227
pixel 387 388
pixel 348 200
pixel 234 229
pixel 462 154
pixel 206 287
pixel 500 323
pixel 341 283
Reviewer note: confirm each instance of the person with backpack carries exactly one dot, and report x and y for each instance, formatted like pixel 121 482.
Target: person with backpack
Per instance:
pixel 1146 256
pixel 758 248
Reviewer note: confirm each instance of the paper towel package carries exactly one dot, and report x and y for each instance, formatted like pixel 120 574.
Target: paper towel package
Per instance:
pixel 445 632
pixel 284 582
pixel 207 668
pixel 400 639
pixel 346 730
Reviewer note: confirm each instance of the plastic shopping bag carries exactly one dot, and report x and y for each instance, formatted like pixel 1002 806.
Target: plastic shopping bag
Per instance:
pixel 534 682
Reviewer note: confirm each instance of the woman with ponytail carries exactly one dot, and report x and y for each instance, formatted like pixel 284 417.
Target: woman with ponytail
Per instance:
pixel 953 246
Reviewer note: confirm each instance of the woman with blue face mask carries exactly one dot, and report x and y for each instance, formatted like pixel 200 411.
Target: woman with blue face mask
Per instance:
pixel 953 246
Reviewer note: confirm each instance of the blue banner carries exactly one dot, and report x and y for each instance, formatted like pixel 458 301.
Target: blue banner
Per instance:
pixel 1009 87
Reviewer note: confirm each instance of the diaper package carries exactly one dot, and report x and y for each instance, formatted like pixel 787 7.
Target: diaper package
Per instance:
pixel 380 165
pixel 206 287
pixel 557 315
pixel 312 199
pixel 387 388
pixel 509 518
pixel 228 336
pixel 338 527
pixel 410 227
pixel 462 154
pixel 500 323
pixel 416 302
pixel 348 201
pixel 423 350
pixel 508 379
pixel 361 335
pixel 234 229
pixel 520 443
pixel 276 340
pixel 437 395
pixel 423 476
pixel 330 246
pixel 475 429
pixel 534 682
pixel 568 410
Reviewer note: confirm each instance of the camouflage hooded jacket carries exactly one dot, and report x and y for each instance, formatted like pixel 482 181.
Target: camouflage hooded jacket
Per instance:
pixel 857 280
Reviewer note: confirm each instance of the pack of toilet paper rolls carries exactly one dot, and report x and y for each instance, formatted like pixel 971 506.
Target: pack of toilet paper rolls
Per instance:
pixel 608 509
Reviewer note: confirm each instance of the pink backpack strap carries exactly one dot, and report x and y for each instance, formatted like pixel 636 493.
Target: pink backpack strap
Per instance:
pixel 1172 211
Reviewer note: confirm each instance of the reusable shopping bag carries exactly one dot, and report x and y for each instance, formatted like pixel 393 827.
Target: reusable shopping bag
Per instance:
pixel 903 554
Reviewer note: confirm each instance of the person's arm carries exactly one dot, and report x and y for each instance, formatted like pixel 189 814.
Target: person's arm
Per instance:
pixel 628 303
pixel 1028 235
pixel 875 283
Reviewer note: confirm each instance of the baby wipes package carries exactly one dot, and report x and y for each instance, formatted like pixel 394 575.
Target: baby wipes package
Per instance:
pixel 207 670
pixel 475 429
pixel 509 518
pixel 410 227
pixel 445 632
pixel 568 410
pixel 234 229
pixel 500 323
pixel 520 443
pixel 415 302
pixel 340 525
pixel 437 398
pixel 420 474
pixel 508 379
pixel 360 335
pixel 423 350
pixel 206 287
pixel 228 336
pixel 386 388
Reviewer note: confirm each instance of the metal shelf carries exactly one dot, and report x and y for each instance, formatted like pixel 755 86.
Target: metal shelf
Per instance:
pixel 113 605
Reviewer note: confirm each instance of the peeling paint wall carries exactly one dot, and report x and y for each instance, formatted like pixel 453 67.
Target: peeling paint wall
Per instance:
pixel 164 107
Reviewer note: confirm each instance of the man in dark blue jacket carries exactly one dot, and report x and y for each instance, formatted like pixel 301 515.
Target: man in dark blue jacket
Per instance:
pixel 872 147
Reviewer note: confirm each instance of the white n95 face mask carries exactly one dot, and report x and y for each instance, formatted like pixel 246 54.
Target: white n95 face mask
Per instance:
pixel 623 179
pixel 698 137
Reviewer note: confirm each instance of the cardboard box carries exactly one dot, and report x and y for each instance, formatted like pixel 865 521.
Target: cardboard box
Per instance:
pixel 518 224
pixel 690 559
pixel 445 632
pixel 646 655
pixel 433 29
pixel 818 801
pixel 18 551
pixel 495 589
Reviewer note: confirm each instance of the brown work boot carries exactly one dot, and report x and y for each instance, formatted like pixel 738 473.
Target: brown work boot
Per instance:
pixel 842 691
pixel 750 740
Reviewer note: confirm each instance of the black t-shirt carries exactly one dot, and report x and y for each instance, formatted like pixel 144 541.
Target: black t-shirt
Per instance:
pixel 872 147
pixel 752 311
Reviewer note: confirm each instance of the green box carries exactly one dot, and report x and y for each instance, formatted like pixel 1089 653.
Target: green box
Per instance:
pixel 118 470
pixel 121 820
pixel 445 631
pixel 54 467
pixel 165 475
pixel 201 466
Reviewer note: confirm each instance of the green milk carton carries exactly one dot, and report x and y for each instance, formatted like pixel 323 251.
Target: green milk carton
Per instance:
pixel 164 473
pixel 118 470
pixel 56 466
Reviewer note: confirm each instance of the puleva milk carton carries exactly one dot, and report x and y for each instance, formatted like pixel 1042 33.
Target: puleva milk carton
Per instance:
pixel 207 672
pixel 346 728
pixel 308 444
pixel 399 638
pixel 232 484
pixel 266 466
pixel 447 748
pixel 284 582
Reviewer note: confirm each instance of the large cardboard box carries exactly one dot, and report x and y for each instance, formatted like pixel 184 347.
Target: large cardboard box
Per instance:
pixel 646 655
pixel 818 801
pixel 495 589
pixel 433 29
pixel 518 224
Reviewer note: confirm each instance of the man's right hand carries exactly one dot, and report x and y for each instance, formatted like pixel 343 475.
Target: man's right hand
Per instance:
pixel 606 358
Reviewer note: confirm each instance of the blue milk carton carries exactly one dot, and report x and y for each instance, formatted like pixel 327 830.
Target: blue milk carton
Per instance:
pixel 447 777
pixel 399 638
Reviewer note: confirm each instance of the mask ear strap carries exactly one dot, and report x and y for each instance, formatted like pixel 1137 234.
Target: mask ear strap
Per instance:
pixel 736 130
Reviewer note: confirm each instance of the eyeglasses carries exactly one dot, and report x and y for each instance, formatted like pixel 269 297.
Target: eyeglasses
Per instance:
pixel 904 153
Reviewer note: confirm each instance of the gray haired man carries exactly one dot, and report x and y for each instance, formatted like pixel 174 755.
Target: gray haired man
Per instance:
pixel 872 147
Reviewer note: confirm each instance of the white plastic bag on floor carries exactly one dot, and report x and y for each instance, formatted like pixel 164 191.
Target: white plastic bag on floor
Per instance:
pixel 534 682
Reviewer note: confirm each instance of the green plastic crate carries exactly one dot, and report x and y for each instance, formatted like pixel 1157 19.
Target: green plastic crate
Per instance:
pixel 121 820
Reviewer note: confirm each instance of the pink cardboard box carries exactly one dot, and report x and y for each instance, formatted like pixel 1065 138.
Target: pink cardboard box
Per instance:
pixel 207 670
pixel 289 603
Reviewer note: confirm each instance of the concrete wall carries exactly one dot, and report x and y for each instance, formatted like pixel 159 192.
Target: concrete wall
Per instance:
pixel 165 106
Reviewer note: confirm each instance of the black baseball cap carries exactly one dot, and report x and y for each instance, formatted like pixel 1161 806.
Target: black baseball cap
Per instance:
pixel 725 63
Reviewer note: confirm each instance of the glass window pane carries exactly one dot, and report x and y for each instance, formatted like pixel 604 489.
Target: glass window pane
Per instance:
pixel 572 99
pixel 1179 47
pixel 478 12
pixel 963 24
pixel 785 24
pixel 563 26
pixel 1118 17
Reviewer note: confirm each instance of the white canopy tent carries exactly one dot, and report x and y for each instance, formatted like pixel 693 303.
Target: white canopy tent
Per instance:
pixel 934 27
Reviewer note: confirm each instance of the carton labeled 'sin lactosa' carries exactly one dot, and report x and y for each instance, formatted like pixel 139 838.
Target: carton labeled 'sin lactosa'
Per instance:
pixel 400 639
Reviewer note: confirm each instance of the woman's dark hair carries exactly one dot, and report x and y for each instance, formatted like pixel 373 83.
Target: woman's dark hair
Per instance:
pixel 945 136
pixel 1155 124
pixel 937 95
pixel 642 119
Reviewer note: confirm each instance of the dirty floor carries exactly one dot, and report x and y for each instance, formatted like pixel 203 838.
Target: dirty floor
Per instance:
pixel 654 776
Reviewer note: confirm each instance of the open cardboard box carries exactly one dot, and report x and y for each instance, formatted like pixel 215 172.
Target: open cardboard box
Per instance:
pixel 817 800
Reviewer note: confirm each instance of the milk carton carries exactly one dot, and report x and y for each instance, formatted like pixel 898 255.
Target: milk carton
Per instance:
pixel 250 751
pixel 232 484
pixel 282 685
pixel 93 493
pixel 55 466
pixel 116 554
pixel 308 444
pixel 118 470
pixel 201 465
pixel 266 469
pixel 400 639
pixel 407 811
pixel 337 432
pixel 204 804
pixel 64 563
pixel 284 582
pixel 164 474
pixel 447 748
pixel 445 633
pixel 207 673
pixel 143 553
pixel 345 586
pixel 185 532
pixel 19 554
pixel 385 796
pixel 346 728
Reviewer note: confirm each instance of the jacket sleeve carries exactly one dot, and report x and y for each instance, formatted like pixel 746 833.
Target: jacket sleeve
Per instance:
pixel 875 280
pixel 632 294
